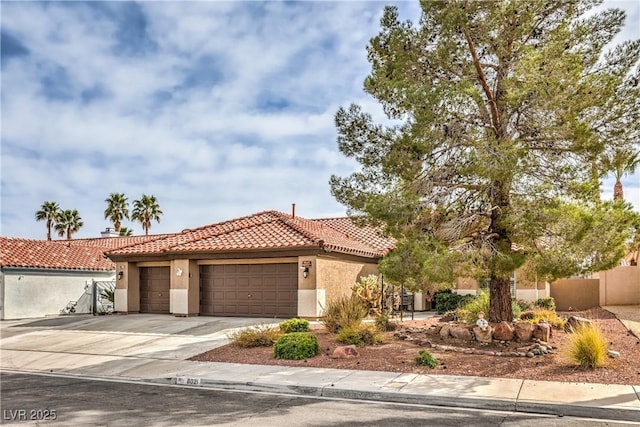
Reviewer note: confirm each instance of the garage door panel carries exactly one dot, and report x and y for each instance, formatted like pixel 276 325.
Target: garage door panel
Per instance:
pixel 249 290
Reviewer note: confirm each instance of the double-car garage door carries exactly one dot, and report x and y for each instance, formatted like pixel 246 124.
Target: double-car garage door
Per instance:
pixel 253 290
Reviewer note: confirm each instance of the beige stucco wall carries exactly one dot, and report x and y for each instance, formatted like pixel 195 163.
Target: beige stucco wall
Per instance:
pixel 620 286
pixel 337 276
pixel 575 294
pixel 37 294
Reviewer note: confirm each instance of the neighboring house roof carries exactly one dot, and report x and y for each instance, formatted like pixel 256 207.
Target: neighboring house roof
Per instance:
pixel 80 254
pixel 269 230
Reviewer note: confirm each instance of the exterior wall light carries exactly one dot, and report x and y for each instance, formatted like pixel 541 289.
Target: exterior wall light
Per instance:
pixel 120 274
pixel 305 272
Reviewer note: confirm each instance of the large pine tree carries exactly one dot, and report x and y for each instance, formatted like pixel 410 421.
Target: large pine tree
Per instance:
pixel 498 111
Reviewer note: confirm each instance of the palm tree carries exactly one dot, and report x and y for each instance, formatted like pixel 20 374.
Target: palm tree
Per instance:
pixel 124 231
pixel 621 163
pixel 117 209
pixel 68 221
pixel 145 210
pixel 48 212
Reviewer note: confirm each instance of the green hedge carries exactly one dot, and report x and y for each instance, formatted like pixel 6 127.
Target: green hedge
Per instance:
pixel 296 346
pixel 449 301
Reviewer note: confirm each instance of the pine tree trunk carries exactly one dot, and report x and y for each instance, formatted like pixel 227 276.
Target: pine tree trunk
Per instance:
pixel 617 191
pixel 500 300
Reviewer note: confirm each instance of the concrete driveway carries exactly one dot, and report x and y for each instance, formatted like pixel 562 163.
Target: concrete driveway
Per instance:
pixel 132 335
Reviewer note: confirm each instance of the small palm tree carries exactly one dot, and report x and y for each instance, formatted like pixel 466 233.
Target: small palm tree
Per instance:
pixel 621 163
pixel 117 209
pixel 69 222
pixel 124 231
pixel 48 212
pixel 145 210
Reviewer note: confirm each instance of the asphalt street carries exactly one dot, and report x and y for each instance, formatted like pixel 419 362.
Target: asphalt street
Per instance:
pixel 28 399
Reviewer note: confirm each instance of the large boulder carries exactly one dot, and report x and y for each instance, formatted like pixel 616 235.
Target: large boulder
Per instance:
pixel 574 322
pixel 345 352
pixel 542 331
pixel 524 331
pixel 444 331
pixel 483 334
pixel 460 332
pixel 503 332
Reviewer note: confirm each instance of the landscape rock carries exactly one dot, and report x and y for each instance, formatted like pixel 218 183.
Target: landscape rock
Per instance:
pixel 444 331
pixel 460 332
pixel 345 352
pixel 613 354
pixel 524 331
pixel 503 332
pixel 483 335
pixel 573 322
pixel 542 331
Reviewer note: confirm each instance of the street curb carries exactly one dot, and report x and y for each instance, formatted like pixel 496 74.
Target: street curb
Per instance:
pixel 582 411
pixel 331 392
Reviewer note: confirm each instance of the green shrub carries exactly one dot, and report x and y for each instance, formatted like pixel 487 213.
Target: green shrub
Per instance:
pixel 587 346
pixel 524 305
pixel 342 312
pixel 296 346
pixel 359 335
pixel 448 301
pixel 515 309
pixel 537 314
pixel 255 336
pixel 468 313
pixel 294 325
pixel 426 359
pixel 549 303
pixel 384 322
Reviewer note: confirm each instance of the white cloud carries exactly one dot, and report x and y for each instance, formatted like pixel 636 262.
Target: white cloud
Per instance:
pixel 219 109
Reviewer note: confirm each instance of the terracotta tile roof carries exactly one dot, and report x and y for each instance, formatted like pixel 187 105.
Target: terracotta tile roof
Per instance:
pixel 265 231
pixel 364 233
pixel 79 254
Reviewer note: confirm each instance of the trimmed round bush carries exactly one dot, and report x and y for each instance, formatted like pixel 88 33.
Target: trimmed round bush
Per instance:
pixel 294 325
pixel 296 346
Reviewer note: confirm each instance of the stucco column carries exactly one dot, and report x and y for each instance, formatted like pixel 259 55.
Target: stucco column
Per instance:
pixel 185 283
pixel 310 298
pixel 127 293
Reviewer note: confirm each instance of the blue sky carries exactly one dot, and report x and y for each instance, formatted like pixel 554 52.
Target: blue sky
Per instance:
pixel 219 109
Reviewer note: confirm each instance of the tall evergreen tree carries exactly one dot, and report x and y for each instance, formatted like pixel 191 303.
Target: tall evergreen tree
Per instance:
pixel 145 210
pixel 498 110
pixel 68 222
pixel 48 212
pixel 117 209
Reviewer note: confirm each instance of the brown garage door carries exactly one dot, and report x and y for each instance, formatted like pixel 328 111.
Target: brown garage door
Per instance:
pixel 253 290
pixel 154 290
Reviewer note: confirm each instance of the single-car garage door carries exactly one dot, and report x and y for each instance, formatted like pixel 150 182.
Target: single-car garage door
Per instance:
pixel 154 290
pixel 253 290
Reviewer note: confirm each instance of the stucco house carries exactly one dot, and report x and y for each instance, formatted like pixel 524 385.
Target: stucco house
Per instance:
pixel 269 264
pixel 40 278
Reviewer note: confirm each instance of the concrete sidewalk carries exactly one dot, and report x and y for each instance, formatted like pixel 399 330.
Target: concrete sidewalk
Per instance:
pixel 118 352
